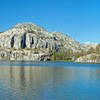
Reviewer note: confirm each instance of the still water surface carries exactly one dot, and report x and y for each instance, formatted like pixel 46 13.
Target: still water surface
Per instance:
pixel 49 81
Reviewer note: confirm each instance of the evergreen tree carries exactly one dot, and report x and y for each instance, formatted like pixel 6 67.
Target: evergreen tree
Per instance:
pixel 98 49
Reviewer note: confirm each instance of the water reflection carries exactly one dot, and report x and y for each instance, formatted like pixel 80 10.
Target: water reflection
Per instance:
pixel 20 82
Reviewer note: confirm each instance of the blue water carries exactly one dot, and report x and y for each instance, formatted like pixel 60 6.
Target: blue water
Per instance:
pixel 58 80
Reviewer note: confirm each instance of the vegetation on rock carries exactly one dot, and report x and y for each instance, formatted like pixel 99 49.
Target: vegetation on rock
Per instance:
pixel 91 56
pixel 91 50
pixel 30 42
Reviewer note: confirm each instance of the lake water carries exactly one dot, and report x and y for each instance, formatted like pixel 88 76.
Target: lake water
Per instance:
pixel 49 81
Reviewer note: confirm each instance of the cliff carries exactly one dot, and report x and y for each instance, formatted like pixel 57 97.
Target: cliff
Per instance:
pixel 27 41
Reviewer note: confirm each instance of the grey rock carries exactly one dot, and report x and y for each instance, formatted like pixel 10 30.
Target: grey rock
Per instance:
pixel 26 35
pixel 23 39
pixel 90 58
pixel 67 42
pixel 20 55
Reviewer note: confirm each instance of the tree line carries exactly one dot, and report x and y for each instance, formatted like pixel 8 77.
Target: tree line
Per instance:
pixel 90 51
pixel 70 55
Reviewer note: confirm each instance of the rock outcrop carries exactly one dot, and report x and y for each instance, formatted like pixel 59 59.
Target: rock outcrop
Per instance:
pixel 27 35
pixel 90 58
pixel 67 42
pixel 20 55
pixel 27 41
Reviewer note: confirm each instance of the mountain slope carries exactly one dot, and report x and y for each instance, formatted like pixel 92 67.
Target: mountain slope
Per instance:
pixel 28 37
pixel 67 42
pixel 89 45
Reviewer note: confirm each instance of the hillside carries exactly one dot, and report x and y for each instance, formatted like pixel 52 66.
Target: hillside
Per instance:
pixel 89 45
pixel 27 41
pixel 90 56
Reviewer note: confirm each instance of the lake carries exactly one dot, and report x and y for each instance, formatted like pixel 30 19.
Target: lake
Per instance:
pixel 59 80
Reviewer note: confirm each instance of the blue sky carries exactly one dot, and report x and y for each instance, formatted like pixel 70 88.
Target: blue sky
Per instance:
pixel 80 19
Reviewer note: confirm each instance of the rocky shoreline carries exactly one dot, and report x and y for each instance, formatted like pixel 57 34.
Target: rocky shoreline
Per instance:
pixel 90 58
pixel 23 55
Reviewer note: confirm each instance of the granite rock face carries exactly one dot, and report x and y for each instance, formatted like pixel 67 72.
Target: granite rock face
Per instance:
pixel 90 58
pixel 30 38
pixel 27 35
pixel 22 55
pixel 67 42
